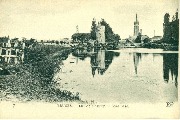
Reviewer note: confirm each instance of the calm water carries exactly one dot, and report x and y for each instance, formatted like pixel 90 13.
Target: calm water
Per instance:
pixel 124 76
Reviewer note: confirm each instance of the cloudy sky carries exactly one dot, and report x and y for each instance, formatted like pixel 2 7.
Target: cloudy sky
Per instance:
pixel 55 19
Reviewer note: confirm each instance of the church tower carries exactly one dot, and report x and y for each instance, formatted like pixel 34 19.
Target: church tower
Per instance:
pixel 136 27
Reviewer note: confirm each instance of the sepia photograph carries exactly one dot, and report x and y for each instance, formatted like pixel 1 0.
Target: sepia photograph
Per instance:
pixel 89 59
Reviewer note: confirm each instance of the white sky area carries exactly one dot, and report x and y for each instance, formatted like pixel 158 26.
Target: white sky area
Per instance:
pixel 55 19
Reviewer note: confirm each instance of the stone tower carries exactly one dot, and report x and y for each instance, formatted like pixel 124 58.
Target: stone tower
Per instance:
pixel 100 33
pixel 136 27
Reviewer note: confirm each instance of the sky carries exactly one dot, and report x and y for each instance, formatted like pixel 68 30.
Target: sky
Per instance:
pixel 56 19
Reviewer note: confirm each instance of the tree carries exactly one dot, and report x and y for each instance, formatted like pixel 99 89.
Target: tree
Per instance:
pixel 83 37
pixel 171 29
pixel 138 39
pixel 57 42
pixel 93 30
pixel 109 34
pixel 146 40
pixel 166 18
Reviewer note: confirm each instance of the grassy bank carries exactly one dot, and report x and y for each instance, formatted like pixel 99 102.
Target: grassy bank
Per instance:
pixel 33 79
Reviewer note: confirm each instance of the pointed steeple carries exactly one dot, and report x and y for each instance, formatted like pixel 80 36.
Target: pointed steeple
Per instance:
pixel 136 26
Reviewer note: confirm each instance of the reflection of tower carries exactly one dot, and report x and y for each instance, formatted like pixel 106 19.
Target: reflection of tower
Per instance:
pixel 100 33
pixel 101 59
pixel 136 27
pixel 136 57
pixel 77 29
pixel 98 62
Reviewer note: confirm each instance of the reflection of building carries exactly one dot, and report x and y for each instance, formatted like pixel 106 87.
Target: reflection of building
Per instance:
pixel 170 67
pixel 98 62
pixel 136 27
pixel 136 57
pixel 101 60
pixel 100 33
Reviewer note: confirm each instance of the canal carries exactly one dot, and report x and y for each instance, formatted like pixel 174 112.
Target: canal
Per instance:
pixel 129 75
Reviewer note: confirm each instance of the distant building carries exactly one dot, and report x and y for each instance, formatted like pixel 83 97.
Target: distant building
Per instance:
pixel 136 31
pixel 156 38
pixel 11 50
pixel 100 34
pixel 136 27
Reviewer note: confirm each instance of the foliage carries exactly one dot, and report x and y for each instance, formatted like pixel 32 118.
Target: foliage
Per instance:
pixel 146 40
pixel 171 30
pixel 109 34
pixel 138 39
pixel 93 30
pixel 83 37
pixel 166 18
pixel 34 79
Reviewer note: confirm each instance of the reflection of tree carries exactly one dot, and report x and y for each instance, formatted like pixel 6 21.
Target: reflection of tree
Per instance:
pixel 170 64
pixel 137 57
pixel 101 61
pixel 81 53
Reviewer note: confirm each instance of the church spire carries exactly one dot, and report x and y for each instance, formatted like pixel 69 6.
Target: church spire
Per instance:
pixel 136 26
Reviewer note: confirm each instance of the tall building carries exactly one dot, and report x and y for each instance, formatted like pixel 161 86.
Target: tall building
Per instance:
pixel 136 27
pixel 100 33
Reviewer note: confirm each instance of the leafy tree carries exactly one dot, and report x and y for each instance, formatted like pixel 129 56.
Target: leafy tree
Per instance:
pixel 166 18
pixel 93 30
pixel 109 34
pixel 57 42
pixel 82 37
pixel 138 39
pixel 171 29
pixel 146 40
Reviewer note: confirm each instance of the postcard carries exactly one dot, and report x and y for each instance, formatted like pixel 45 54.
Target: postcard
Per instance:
pixel 89 59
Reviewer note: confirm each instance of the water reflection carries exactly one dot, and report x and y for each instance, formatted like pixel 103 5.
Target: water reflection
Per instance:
pixel 139 76
pixel 100 59
pixel 81 53
pixel 170 67
pixel 137 58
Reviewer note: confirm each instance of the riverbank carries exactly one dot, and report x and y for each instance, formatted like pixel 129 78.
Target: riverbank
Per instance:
pixel 166 47
pixel 33 79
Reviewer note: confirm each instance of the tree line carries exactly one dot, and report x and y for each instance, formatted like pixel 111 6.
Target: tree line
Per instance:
pixel 110 36
pixel 171 29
